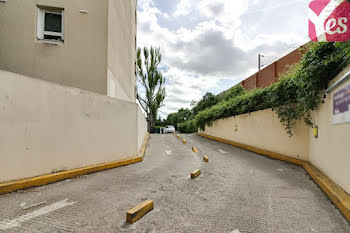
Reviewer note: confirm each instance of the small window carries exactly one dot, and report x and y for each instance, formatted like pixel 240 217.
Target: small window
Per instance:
pixel 50 24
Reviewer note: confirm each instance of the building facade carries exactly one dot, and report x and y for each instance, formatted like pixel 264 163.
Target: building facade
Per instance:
pixel 67 86
pixel 86 44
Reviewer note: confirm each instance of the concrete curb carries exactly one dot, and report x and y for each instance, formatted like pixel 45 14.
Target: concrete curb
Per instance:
pixel 195 174
pixel 136 213
pixel 256 150
pixel 144 145
pixel 12 186
pixel 337 195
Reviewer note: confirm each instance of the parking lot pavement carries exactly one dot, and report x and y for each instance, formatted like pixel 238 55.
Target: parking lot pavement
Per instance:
pixel 237 191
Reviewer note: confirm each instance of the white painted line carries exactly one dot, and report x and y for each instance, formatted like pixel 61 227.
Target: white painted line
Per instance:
pixel 281 170
pixel 34 205
pixel 168 152
pixel 16 222
pixel 222 151
pixel 235 231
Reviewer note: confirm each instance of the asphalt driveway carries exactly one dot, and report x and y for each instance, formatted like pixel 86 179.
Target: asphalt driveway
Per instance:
pixel 238 191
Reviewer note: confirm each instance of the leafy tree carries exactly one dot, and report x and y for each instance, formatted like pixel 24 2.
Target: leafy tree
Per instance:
pixel 160 122
pixel 153 82
pixel 193 103
pixel 233 92
pixel 188 126
pixel 207 101
pixel 180 116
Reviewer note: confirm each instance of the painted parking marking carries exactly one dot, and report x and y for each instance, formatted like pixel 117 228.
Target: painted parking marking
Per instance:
pixel 16 222
pixel 235 231
pixel 168 152
pixel 222 151
pixel 25 207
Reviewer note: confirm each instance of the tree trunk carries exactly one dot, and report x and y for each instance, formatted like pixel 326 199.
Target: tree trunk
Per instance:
pixel 151 124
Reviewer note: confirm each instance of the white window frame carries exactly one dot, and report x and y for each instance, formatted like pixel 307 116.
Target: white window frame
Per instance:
pixel 41 24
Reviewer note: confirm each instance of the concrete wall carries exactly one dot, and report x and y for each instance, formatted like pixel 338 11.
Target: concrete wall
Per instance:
pixel 45 127
pixel 263 130
pixel 81 61
pixel 122 49
pixel 142 127
pixel 330 152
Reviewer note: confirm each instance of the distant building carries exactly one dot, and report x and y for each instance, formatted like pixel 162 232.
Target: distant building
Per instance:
pixel 87 44
pixel 272 73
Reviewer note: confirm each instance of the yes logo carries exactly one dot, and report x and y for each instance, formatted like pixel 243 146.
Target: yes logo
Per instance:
pixel 329 20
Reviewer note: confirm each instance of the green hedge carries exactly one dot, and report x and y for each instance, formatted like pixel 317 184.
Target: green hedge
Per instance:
pixel 234 92
pixel 157 129
pixel 294 97
pixel 188 127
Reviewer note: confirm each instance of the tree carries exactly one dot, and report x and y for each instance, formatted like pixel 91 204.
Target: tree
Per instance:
pixel 207 101
pixel 233 92
pixel 178 117
pixel 153 82
pixel 160 122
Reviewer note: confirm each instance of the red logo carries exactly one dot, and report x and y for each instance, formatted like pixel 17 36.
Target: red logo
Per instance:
pixel 329 20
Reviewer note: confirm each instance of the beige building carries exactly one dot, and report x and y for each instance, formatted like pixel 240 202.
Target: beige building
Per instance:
pixel 67 85
pixel 88 44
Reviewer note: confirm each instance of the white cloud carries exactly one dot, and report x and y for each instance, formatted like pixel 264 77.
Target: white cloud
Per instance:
pixel 224 11
pixel 183 8
pixel 222 44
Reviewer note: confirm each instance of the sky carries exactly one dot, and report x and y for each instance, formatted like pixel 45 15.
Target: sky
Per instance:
pixel 211 45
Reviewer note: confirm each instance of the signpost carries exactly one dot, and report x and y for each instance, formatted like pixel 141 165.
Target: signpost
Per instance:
pixel 341 106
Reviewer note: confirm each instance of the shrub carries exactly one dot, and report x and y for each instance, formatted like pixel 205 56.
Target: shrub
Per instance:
pixel 188 127
pixel 207 101
pixel 157 129
pixel 233 92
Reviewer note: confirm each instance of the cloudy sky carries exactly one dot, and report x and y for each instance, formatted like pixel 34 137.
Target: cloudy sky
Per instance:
pixel 210 45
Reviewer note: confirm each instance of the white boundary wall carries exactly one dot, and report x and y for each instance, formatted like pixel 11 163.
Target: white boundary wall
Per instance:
pixel 45 127
pixel 263 130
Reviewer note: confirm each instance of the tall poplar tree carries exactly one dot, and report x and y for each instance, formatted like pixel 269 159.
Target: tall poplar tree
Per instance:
pixel 153 82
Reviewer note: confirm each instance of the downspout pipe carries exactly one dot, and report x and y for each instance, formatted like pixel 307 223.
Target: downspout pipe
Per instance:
pixel 342 80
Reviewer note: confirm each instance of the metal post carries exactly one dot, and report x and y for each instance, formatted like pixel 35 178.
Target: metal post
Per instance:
pixel 259 60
